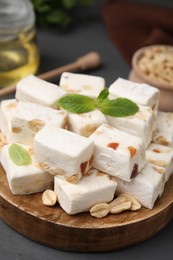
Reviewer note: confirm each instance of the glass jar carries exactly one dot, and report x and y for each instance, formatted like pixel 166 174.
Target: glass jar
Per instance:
pixel 19 55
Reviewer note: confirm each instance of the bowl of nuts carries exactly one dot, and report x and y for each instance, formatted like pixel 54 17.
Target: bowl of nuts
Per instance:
pixel 154 65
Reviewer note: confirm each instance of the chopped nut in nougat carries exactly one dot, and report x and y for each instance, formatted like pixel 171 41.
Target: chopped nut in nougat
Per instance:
pixel 24 179
pixel 160 155
pixel 141 93
pixel 86 123
pixel 7 109
pixel 63 152
pixel 118 153
pixel 35 90
pixel 164 129
pixel 92 189
pixel 29 118
pixel 146 187
pixel 82 84
pixel 142 124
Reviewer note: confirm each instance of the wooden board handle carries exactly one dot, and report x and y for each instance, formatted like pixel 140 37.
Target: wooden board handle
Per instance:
pixel 89 61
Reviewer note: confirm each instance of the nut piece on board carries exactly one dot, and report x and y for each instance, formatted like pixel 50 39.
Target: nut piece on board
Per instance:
pixel 49 198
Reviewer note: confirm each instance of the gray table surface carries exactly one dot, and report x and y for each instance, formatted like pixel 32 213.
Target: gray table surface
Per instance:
pixel 57 49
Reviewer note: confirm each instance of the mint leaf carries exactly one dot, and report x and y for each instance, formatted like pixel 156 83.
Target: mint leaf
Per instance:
pixel 77 103
pixel 19 155
pixel 103 95
pixel 120 107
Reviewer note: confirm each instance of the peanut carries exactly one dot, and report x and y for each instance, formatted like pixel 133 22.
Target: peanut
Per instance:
pixel 49 198
pixel 160 163
pixel 157 64
pixel 121 207
pixel 3 138
pixel 100 210
pixel 36 124
pixel 16 130
pixel 135 203
pixel 72 179
pixel 123 202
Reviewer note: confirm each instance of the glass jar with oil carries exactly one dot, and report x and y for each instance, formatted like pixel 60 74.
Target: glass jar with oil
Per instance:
pixel 19 55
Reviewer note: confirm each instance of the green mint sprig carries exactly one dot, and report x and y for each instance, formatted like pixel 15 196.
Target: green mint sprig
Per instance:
pixel 119 107
pixel 62 13
pixel 19 155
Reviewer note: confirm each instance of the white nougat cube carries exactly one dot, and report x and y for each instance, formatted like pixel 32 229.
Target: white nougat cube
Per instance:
pixel 86 123
pixel 160 155
pixel 117 153
pixel 29 118
pixel 25 179
pixel 92 189
pixel 7 109
pixel 146 187
pixel 141 124
pixel 164 129
pixel 82 84
pixel 63 152
pixel 141 93
pixel 36 90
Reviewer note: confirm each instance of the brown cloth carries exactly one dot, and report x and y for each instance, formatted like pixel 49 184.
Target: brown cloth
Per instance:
pixel 132 25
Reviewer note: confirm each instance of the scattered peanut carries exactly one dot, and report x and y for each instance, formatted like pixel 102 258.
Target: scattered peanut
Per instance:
pixel 119 200
pixel 123 202
pixel 49 198
pixel 121 207
pixel 135 203
pixel 100 210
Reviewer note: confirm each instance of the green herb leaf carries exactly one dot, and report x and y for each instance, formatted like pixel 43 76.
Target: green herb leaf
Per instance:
pixel 120 107
pixel 103 95
pixel 62 13
pixel 19 155
pixel 58 17
pixel 69 3
pixel 77 103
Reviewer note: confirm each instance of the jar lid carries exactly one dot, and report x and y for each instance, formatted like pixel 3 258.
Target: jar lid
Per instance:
pixel 15 16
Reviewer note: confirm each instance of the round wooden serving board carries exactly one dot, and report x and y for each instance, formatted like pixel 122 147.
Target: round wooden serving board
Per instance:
pixel 53 227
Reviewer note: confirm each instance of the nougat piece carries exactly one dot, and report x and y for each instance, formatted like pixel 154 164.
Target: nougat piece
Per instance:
pixel 25 179
pixel 141 93
pixel 63 152
pixel 82 84
pixel 29 118
pixel 161 155
pixel 141 124
pixel 146 187
pixel 164 129
pixel 7 109
pixel 95 187
pixel 117 153
pixel 35 90
pixel 86 123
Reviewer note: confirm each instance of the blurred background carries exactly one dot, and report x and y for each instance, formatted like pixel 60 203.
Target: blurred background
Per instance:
pixel 65 30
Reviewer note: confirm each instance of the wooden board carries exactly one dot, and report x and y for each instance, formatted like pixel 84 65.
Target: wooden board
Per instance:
pixel 53 227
